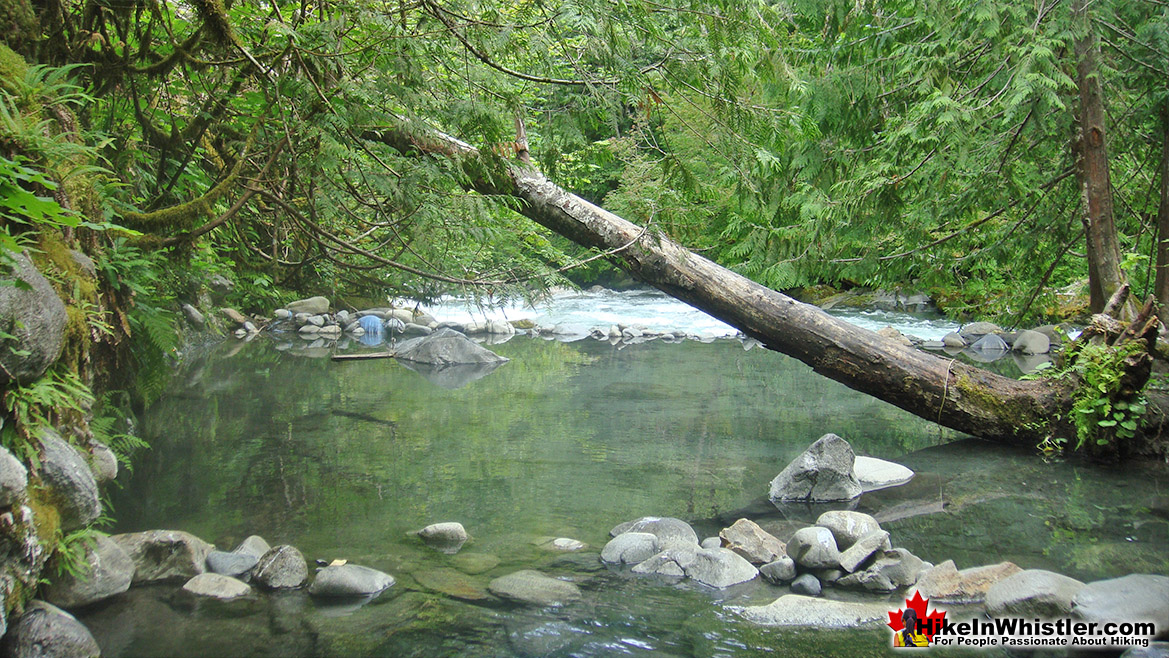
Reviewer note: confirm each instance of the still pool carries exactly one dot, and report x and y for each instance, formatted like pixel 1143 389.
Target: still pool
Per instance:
pixel 344 459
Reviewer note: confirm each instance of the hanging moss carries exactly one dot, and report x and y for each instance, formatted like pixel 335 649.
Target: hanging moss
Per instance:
pixel 12 68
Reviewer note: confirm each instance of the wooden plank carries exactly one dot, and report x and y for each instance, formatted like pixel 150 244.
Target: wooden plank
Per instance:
pixel 362 357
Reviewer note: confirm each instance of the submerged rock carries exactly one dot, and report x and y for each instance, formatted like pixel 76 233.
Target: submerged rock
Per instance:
pixel 796 610
pixel 451 583
pixel 874 474
pixel 534 588
pixel 45 630
pixel 823 473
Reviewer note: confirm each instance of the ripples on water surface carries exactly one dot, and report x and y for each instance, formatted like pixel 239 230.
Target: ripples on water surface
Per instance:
pixel 567 439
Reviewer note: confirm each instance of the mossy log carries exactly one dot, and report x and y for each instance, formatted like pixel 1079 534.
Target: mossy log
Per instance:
pixel 943 390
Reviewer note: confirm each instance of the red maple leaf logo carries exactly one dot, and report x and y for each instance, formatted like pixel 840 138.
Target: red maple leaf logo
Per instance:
pixel 930 623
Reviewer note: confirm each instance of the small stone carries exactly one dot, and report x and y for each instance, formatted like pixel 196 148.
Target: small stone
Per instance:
pixel 254 545
pixel 712 542
pixel 807 584
pixel 953 340
pixel 282 314
pixel 990 343
pixel 534 588
pixel 250 328
pixel 194 316
pixel 233 315
pixel 447 537
pixel 216 586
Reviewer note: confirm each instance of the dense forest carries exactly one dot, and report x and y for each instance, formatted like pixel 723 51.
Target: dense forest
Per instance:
pixel 1010 159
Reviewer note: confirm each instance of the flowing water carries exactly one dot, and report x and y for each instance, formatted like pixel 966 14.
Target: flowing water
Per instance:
pixel 568 439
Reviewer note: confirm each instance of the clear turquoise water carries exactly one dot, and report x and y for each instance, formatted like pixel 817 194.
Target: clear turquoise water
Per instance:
pixel 343 459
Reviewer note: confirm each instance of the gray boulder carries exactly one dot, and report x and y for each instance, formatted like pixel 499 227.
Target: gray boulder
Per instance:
pixel 823 473
pixel 1031 342
pixel 979 329
pixel 746 538
pixel 796 610
pixel 873 473
pixel 1139 597
pixel 534 588
pixel 1032 593
pixel 714 567
pixel 164 554
pixel 944 583
pixel 103 462
pixel 411 329
pixel 35 317
pixel 814 548
pixel 864 548
pixel 254 545
pixel 283 567
pixel 65 471
pixel 447 537
pixel 668 530
pixel 807 584
pixel 13 479
pixel 779 572
pixel 990 343
pixel 342 580
pixel 216 586
pixel 107 571
pixel 313 306
pixel 953 340
pixel 445 347
pixel 231 564
pixel 44 631
pixel 847 526
pixel 194 317
pixel 630 548
pixel 890 571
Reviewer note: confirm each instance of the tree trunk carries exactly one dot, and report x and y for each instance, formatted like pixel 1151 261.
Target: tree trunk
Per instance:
pixel 945 391
pixel 1161 287
pixel 1104 273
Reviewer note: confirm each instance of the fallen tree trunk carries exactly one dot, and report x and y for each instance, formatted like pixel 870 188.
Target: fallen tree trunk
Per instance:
pixel 945 391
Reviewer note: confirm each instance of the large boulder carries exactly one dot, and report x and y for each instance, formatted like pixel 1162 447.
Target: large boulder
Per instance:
pixel 1032 593
pixel 216 586
pixel 65 472
pixel 1031 342
pixel 823 473
pixel 796 610
pixel 847 527
pixel 107 570
pixel 283 567
pixel 45 630
pixel 313 306
pixel 1138 597
pixel 814 548
pixel 668 530
pixel 445 347
pixel 164 554
pixel 340 580
pixel 234 565
pixel 13 479
pixel 34 318
pixel 630 548
pixel 746 538
pixel 944 583
pixel 714 567
pixel 534 588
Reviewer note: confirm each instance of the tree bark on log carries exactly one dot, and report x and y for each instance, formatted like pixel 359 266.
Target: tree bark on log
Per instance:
pixel 945 391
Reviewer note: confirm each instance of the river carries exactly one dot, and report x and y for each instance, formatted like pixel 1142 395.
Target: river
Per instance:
pixel 567 439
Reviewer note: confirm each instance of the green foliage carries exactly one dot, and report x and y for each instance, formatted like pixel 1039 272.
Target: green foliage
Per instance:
pixel 69 552
pixel 1103 411
pixel 36 407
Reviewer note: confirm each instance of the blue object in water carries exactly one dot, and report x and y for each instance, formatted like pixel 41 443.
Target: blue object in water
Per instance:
pixel 371 323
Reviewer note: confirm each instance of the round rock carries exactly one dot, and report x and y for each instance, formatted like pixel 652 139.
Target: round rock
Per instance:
pixel 108 571
pixel 283 567
pixel 65 471
pixel 1141 597
pixel 668 530
pixel 847 527
pixel 447 537
pixel 807 584
pixel 349 580
pixel 814 548
pixel 46 630
pixel 630 548
pixel 779 572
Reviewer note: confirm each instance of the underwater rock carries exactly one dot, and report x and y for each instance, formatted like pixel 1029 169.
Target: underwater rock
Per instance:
pixel 534 588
